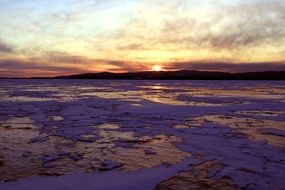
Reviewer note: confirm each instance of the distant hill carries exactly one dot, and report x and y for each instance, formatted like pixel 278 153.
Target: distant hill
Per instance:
pixel 173 75
pixel 181 75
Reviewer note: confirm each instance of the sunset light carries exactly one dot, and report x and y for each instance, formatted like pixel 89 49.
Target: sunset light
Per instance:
pixel 157 68
pixel 71 37
pixel 142 94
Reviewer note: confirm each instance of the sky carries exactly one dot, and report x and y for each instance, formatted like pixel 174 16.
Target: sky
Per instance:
pixel 52 37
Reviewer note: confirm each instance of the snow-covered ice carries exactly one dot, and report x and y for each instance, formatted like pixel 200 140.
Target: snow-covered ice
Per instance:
pixel 100 134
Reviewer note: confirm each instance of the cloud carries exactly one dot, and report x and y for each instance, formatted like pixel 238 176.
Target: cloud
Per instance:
pixel 250 24
pixel 62 58
pixel 5 48
pixel 23 68
pixel 211 26
pixel 133 46
pixel 109 35
pixel 227 66
pixel 55 63
pixel 65 58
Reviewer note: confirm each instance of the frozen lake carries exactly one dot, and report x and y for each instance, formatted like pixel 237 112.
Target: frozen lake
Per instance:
pixel 100 134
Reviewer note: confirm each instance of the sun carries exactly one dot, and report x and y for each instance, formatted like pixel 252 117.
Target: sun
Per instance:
pixel 157 68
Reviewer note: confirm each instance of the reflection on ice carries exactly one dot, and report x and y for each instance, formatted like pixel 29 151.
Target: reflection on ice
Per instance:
pixel 109 126
pixel 172 93
pixel 26 99
pixel 26 149
pixel 200 176
pixel 262 113
pixel 191 123
pixel 272 132
pixel 18 123
pixel 59 127
pixel 55 118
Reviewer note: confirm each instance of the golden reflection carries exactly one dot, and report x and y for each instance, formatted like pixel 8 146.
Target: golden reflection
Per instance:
pixel 158 87
pixel 268 131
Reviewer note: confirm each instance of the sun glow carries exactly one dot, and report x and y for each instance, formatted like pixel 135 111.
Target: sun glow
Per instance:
pixel 157 68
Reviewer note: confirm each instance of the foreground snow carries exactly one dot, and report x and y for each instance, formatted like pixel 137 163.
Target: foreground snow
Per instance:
pixel 141 134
